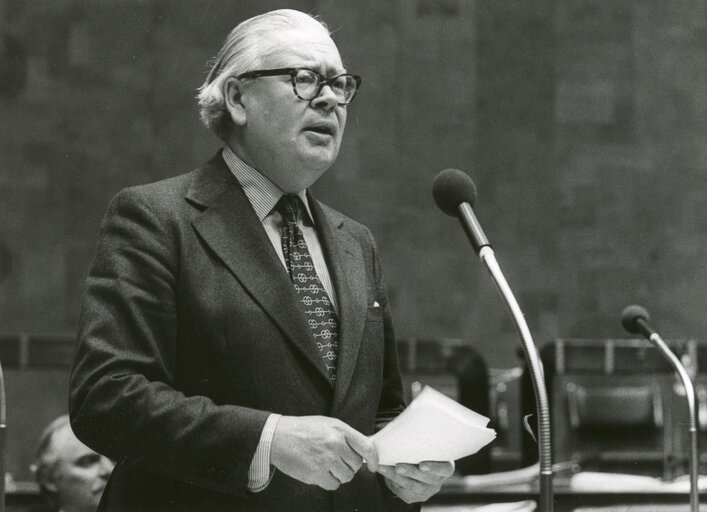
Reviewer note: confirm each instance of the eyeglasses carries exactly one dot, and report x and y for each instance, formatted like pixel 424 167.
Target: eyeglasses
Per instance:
pixel 308 84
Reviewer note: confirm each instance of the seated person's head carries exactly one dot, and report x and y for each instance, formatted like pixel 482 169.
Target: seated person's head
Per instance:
pixel 69 473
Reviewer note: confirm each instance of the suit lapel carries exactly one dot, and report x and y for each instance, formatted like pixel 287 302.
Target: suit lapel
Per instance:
pixel 346 266
pixel 233 231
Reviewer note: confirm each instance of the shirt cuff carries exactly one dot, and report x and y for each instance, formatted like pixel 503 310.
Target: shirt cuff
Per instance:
pixel 259 474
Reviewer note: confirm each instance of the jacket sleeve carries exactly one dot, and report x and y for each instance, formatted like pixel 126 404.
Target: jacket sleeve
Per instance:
pixel 123 398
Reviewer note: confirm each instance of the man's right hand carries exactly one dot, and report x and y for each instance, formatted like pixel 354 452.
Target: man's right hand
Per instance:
pixel 321 451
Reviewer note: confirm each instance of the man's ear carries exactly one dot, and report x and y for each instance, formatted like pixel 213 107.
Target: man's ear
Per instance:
pixel 43 479
pixel 46 482
pixel 232 96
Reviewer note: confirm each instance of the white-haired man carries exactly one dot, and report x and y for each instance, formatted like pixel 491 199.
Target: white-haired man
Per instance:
pixel 70 475
pixel 235 345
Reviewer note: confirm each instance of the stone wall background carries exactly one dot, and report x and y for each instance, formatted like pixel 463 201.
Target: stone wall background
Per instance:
pixel 583 123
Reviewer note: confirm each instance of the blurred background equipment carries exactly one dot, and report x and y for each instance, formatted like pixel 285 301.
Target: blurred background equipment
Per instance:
pixel 617 405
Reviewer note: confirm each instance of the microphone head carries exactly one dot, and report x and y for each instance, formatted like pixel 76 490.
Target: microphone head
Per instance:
pixel 452 187
pixel 630 316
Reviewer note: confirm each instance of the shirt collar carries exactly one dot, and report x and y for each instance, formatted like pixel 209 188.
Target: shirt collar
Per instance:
pixel 262 193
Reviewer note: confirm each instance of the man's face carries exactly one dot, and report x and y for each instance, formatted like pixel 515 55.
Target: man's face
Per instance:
pixel 292 141
pixel 80 474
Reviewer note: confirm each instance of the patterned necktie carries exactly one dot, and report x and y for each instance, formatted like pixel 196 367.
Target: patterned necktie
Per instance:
pixel 315 302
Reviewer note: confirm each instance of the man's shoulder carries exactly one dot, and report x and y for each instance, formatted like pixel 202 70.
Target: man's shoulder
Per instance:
pixel 164 187
pixel 167 191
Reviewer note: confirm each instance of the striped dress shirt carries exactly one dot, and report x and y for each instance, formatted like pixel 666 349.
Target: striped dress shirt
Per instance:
pixel 263 195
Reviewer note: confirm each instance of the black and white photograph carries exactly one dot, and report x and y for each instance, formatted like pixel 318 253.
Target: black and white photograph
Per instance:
pixel 353 256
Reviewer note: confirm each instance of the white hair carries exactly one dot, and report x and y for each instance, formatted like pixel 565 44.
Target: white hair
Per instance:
pixel 240 53
pixel 44 465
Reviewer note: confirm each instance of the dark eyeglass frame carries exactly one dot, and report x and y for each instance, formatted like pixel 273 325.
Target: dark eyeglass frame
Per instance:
pixel 293 73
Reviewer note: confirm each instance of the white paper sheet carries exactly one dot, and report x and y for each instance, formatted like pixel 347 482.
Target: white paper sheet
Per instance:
pixel 433 427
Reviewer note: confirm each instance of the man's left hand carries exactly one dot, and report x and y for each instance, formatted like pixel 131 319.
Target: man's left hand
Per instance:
pixel 413 483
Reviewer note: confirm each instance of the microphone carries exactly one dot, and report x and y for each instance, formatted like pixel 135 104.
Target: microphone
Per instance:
pixel 455 194
pixel 635 320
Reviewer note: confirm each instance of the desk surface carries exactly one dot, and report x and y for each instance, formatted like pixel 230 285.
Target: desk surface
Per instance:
pixel 583 492
pixel 530 506
pixel 588 494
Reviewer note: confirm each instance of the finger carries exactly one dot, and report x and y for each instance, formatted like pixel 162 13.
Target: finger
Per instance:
pixel 352 460
pixel 328 482
pixel 415 473
pixel 342 472
pixel 407 484
pixel 391 473
pixel 404 494
pixel 364 447
pixel 443 469
pixel 394 479
pixel 386 471
pixel 416 488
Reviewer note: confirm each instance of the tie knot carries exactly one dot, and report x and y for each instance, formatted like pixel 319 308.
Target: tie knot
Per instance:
pixel 288 206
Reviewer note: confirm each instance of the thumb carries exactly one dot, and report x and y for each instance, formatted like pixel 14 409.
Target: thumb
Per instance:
pixel 364 447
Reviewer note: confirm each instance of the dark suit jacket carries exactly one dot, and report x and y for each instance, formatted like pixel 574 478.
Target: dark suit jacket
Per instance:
pixel 190 335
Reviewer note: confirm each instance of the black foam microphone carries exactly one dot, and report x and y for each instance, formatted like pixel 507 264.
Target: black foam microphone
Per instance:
pixel 635 320
pixel 455 194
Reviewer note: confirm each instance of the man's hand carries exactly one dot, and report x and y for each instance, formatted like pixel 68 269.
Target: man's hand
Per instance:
pixel 320 451
pixel 413 483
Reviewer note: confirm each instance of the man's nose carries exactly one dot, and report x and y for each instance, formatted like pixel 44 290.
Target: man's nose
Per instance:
pixel 325 99
pixel 106 466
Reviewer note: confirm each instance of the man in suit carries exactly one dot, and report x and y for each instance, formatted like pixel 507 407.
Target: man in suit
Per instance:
pixel 235 346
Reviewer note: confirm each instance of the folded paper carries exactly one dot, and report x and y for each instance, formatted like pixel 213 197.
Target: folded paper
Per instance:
pixel 433 427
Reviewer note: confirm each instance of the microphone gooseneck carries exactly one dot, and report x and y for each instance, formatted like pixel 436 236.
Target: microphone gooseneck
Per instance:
pixel 635 320
pixel 455 193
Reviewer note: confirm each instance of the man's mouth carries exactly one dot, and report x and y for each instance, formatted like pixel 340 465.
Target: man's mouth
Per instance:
pixel 323 129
